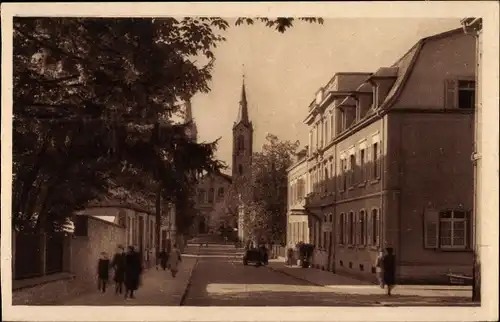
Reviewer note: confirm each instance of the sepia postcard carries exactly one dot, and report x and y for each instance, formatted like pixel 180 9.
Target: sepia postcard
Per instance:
pixel 291 161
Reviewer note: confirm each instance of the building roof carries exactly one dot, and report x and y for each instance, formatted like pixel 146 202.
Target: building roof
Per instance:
pixel 406 63
pixel 224 176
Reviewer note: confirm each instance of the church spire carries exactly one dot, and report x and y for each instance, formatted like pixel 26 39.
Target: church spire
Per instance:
pixel 192 131
pixel 243 110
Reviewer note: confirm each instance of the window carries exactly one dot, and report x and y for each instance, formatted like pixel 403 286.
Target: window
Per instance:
pixel 220 193
pixel 240 169
pixel 375 227
pixel 362 227
pixel 351 228
pixel 327 134
pixel 376 161
pixel 342 229
pixel 344 174
pixel 325 242
pixel 449 229
pixel 332 128
pixel 352 166
pixel 362 158
pixel 211 195
pixel 466 94
pixel 326 179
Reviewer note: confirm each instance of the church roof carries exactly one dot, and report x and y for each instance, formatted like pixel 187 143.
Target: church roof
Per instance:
pixel 243 109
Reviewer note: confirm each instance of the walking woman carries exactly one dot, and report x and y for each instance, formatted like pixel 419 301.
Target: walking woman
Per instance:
pixel 389 269
pixel 133 270
pixel 118 264
pixel 174 259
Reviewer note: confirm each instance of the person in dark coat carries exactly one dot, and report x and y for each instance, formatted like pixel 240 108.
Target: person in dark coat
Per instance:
pixel 102 272
pixel 389 269
pixel 118 264
pixel 163 259
pixel 133 270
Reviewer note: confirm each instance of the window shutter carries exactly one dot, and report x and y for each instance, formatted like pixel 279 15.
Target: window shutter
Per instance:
pixel 431 229
pixel 450 97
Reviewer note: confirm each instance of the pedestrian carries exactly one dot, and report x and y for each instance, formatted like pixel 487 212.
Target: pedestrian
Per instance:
pixel 118 264
pixel 389 269
pixel 102 272
pixel 379 268
pixel 133 270
pixel 174 259
pixel 163 259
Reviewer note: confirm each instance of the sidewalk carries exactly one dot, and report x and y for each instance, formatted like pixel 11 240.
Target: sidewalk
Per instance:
pixel 363 292
pixel 158 288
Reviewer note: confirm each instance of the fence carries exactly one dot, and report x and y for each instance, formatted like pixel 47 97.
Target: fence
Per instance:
pixel 38 254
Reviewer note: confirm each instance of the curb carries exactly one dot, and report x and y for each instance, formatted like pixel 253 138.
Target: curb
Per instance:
pixel 188 285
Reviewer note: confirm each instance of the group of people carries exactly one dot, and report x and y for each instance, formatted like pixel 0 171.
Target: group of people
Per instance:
pixel 170 260
pixel 127 267
pixel 385 267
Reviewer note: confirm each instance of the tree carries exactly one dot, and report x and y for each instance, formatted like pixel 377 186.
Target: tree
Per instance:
pixel 87 95
pixel 265 212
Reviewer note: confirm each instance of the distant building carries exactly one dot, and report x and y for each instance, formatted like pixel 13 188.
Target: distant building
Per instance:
pixel 389 163
pixel 297 219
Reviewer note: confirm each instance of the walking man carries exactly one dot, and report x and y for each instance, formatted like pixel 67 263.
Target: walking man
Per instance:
pixel 389 269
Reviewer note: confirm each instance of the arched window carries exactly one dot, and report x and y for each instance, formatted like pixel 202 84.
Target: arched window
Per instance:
pixel 351 224
pixel 240 169
pixel 240 143
pixel 325 183
pixel 362 227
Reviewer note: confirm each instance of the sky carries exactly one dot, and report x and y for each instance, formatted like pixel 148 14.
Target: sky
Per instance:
pixel 284 71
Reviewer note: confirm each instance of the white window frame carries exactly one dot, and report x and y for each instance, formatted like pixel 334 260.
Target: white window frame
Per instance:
pixel 375 234
pixel 351 227
pixel 453 220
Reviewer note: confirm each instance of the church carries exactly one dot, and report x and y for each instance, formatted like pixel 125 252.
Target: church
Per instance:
pixel 212 189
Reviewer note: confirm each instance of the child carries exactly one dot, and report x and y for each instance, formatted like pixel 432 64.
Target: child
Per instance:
pixel 103 272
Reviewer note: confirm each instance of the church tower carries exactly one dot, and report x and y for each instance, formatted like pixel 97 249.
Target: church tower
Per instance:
pixel 242 139
pixel 191 131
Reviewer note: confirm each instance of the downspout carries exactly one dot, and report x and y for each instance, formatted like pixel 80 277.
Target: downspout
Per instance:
pixel 334 224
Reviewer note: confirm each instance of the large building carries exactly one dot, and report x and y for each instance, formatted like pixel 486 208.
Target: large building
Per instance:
pixel 297 223
pixel 212 188
pixel 389 163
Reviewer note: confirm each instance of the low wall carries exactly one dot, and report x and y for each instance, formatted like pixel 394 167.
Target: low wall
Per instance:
pixel 101 236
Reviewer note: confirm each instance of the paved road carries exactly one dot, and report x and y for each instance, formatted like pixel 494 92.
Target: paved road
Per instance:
pixel 221 279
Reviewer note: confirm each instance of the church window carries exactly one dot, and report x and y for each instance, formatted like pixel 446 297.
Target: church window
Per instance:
pixel 240 169
pixel 240 143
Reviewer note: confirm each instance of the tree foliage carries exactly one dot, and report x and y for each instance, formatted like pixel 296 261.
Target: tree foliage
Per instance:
pixel 265 212
pixel 87 93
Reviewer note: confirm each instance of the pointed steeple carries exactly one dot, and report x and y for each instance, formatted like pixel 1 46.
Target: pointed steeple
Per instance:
pixel 243 110
pixel 192 131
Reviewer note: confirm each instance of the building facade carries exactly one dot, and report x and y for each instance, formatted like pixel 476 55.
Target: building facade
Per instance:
pixel 389 163
pixel 297 219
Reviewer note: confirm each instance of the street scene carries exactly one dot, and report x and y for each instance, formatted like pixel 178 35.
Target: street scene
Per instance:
pixel 204 161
